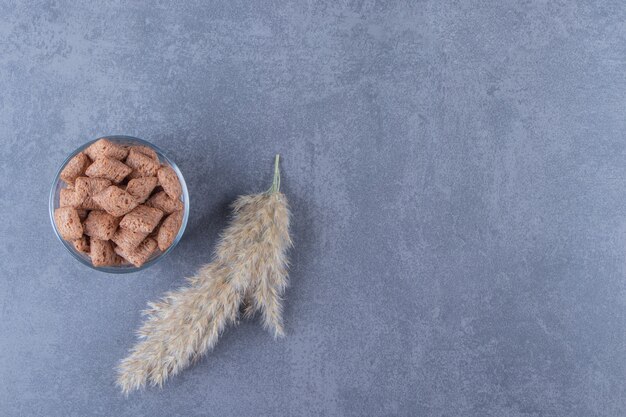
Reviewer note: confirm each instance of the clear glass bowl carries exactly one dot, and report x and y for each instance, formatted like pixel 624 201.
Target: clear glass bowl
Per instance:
pixel 58 184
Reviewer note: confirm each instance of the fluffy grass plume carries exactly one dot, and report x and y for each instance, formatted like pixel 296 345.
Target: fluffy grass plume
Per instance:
pixel 250 264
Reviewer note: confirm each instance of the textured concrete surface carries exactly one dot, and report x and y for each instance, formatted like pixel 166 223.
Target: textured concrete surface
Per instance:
pixel 457 177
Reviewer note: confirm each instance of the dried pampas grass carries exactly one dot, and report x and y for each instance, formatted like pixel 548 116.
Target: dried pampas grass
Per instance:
pixel 249 266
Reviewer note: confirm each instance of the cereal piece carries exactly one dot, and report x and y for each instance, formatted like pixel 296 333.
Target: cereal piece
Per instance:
pixel 146 150
pixel 88 187
pixel 75 168
pixel 115 201
pixel 164 202
pixel 169 181
pixel 140 188
pixel 169 229
pixel 91 186
pixel 102 253
pixel 155 232
pixel 82 214
pixel 142 219
pixel 108 168
pixel 139 255
pixel 82 244
pixel 105 147
pixel 89 204
pixel 69 198
pixel 68 223
pixel 127 239
pixel 101 225
pixel 142 165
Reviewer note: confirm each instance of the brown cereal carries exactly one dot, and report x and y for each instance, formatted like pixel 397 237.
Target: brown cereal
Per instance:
pixel 69 198
pixel 68 223
pixel 146 150
pixel 140 188
pixel 102 253
pixel 91 186
pixel 142 219
pixel 164 202
pixel 169 229
pixel 142 165
pixel 105 147
pixel 82 244
pixel 127 239
pixel 87 188
pixel 100 224
pixel 115 201
pixel 119 193
pixel 109 168
pixel 89 204
pixel 169 181
pixel 140 254
pixel 75 168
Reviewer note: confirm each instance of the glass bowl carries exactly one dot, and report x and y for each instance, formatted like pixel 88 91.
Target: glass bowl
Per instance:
pixel 58 184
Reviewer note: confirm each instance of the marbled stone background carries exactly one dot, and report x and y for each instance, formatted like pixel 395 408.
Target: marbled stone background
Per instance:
pixel 457 178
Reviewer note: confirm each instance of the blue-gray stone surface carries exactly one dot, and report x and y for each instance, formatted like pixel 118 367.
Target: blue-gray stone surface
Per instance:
pixel 457 177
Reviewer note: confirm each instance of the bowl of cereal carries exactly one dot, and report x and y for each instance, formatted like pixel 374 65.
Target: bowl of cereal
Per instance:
pixel 119 204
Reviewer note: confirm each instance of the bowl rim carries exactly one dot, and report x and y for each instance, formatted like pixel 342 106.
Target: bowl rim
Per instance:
pixel 116 269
